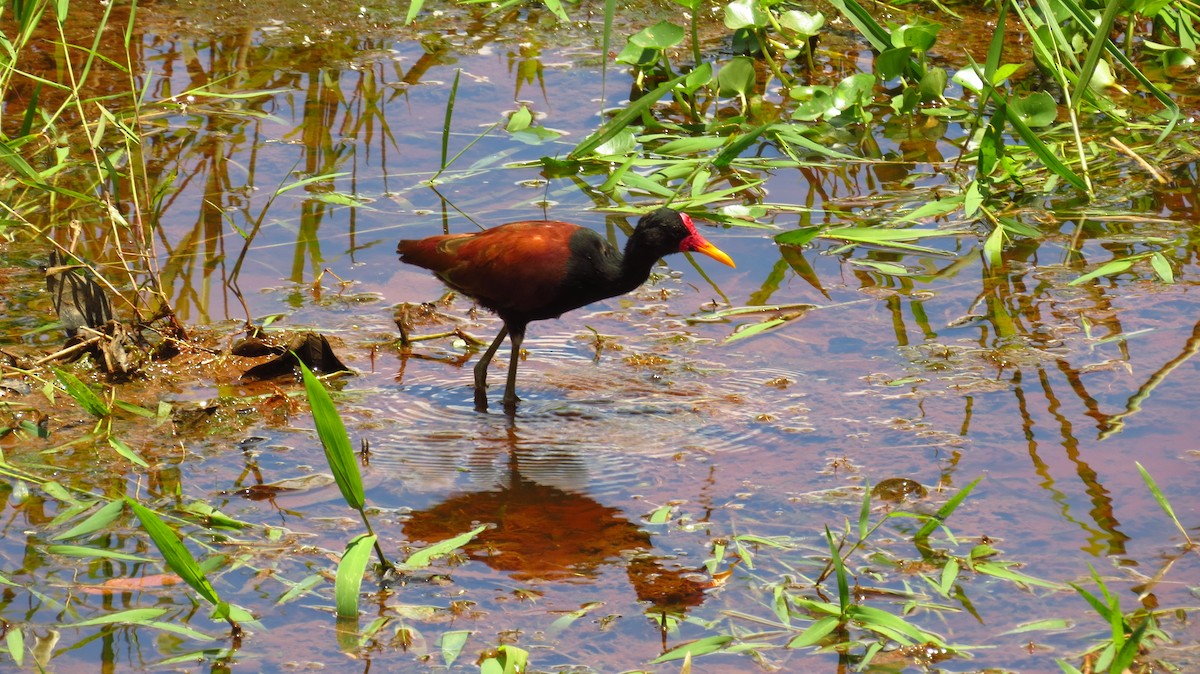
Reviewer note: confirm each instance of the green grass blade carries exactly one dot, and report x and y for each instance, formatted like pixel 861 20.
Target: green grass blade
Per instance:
pixel 338 452
pixel 175 553
pixel 350 572
pixel 134 616
pixel 94 522
pixel 448 119
pixel 422 558
pixel 126 451
pixel 839 572
pixel 946 510
pixel 624 118
pixel 414 8
pixel 864 513
pixel 1162 500
pixel 82 394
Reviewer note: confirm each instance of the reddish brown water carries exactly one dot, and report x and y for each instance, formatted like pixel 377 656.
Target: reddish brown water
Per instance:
pixel 1048 392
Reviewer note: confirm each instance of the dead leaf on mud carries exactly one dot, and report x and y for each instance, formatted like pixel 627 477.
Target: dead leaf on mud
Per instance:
pixel 311 348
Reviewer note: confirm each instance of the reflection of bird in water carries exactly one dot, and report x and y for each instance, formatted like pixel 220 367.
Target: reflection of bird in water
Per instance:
pixel 538 269
pixel 545 533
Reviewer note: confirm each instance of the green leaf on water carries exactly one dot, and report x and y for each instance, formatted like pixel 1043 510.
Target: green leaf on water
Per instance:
pixel 695 648
pixel 798 237
pixel 1162 501
pixel 350 574
pixel 622 120
pixel 1162 267
pixel 334 439
pixel 815 632
pixel 1111 267
pixel 423 557
pixel 660 515
pixel 82 394
pixel 520 120
pixel 946 510
pixel 126 451
pixel 94 522
pixel 100 553
pixel 14 638
pixel 451 645
pixel 1048 625
pixel 135 616
pixel 175 553
pixel 1004 570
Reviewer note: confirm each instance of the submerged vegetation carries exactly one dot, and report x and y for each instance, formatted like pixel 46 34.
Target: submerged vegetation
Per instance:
pixel 981 159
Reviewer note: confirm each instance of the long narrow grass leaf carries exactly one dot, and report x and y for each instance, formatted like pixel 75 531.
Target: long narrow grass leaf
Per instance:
pixel 94 522
pixel 350 571
pixel 1162 501
pixel 82 394
pixel 423 557
pixel 946 510
pixel 174 552
pixel 334 439
pixel 624 118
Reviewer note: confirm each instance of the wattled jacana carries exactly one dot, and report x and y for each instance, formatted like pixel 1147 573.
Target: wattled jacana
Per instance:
pixel 538 269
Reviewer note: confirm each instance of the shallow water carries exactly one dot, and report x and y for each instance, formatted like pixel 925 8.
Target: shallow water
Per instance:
pixel 1048 392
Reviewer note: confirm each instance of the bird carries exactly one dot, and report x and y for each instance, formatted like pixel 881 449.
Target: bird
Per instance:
pixel 534 270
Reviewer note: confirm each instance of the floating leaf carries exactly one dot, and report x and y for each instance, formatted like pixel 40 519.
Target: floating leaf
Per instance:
pixel 1111 267
pixel 452 644
pixel 695 648
pixel 423 557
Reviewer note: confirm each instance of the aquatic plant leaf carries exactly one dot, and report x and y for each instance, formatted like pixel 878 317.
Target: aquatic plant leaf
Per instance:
pixel 520 120
pixel 126 451
pixel 451 644
pixel 745 14
pixel 1162 501
pixel 1004 570
pixel 695 648
pixel 798 237
pixel 622 120
pixel 94 522
pixel 1048 625
pixel 814 633
pixel 134 616
pixel 177 556
pixel 14 638
pixel 423 557
pixel 1110 267
pixel 300 588
pixel 334 439
pixel 737 78
pixel 83 551
pixel 660 36
pixel 891 626
pixel 946 510
pixel 1162 267
pixel 690 145
pixel 1037 109
pixel 507 660
pixel 82 394
pixel 802 23
pixel 350 571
